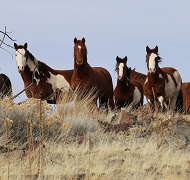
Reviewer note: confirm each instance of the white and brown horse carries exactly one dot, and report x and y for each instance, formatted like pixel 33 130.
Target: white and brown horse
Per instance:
pixel 45 83
pixel 126 93
pixel 162 85
pixel 87 78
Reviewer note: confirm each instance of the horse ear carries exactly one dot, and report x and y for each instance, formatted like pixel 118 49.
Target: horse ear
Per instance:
pixel 83 40
pixel 156 49
pixel 148 49
pixel 25 46
pixel 16 46
pixel 125 58
pixel 75 40
pixel 117 58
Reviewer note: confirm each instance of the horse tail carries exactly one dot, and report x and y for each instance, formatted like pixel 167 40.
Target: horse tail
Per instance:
pixel 7 84
pixel 179 102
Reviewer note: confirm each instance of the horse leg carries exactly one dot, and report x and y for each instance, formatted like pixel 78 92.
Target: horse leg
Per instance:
pixel 173 100
pixel 103 104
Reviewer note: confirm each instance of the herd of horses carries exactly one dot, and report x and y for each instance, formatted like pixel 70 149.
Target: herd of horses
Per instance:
pixel 162 87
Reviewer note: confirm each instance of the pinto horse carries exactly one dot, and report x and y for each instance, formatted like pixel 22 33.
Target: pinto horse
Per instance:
pixel 162 85
pixel 42 81
pixel 87 78
pixel 5 86
pixel 126 92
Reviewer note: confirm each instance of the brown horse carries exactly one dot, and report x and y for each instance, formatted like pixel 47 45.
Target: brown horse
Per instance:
pixel 186 97
pixel 87 78
pixel 44 82
pixel 126 93
pixel 5 86
pixel 162 85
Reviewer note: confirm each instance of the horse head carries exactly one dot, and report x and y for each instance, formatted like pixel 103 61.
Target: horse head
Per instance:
pixel 121 68
pixel 80 51
pixel 152 59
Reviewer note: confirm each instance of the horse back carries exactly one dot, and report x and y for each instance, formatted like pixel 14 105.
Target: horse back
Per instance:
pixel 137 77
pixel 67 74
pixel 104 79
pixel 174 75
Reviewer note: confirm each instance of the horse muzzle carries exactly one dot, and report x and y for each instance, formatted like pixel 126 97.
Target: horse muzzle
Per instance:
pixel 20 70
pixel 121 78
pixel 79 62
pixel 152 71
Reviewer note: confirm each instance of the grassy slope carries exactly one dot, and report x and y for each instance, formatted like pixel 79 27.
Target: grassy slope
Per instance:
pixel 99 156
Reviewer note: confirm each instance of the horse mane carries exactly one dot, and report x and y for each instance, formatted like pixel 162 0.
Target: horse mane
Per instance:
pixel 30 55
pixel 41 65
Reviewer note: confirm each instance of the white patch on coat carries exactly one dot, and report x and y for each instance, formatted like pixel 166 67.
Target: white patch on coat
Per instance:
pixel 121 65
pixel 58 82
pixel 160 76
pixel 170 88
pixel 32 64
pixel 151 63
pixel 79 47
pixel 136 97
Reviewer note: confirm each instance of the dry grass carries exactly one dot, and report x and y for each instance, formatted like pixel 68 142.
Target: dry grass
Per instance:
pixel 66 142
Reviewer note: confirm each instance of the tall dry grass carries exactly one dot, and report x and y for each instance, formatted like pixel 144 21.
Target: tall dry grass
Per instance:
pixel 39 141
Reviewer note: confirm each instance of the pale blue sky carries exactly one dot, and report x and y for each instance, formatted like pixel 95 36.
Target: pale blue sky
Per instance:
pixel 111 28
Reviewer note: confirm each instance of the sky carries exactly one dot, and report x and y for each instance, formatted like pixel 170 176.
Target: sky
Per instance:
pixel 111 28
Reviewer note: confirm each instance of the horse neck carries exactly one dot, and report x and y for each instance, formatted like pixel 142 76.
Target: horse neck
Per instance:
pixel 28 73
pixel 153 77
pixel 81 70
pixel 123 84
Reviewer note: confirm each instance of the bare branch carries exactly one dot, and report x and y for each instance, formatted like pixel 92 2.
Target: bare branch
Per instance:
pixel 2 41
pixel 5 34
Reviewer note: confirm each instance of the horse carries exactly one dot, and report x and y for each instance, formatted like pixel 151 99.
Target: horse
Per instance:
pixel 40 80
pixel 87 78
pixel 126 92
pixel 162 85
pixel 5 86
pixel 185 89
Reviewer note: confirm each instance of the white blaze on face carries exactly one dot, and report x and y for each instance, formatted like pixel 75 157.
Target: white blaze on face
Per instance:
pixel 79 48
pixel 58 81
pixel 120 67
pixel 20 59
pixel 151 63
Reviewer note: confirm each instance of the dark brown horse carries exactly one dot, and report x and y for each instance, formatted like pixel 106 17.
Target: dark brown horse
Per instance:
pixel 5 86
pixel 45 83
pixel 162 85
pixel 87 78
pixel 126 93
